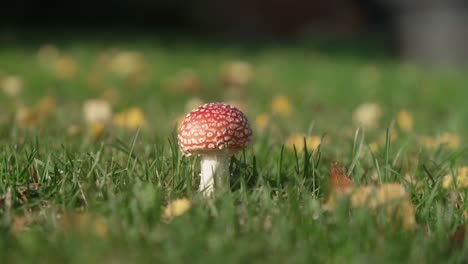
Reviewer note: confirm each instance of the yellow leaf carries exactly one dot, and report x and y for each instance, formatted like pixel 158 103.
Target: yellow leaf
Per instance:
pixel 280 105
pixel 12 85
pixel 96 129
pixel 29 117
pixel 100 227
pixel 367 115
pixel 262 121
pixel 459 180
pixel 176 208
pixel 130 118
pixel 297 140
pixel 236 73
pixel 452 141
pixel 373 146
pixel 45 105
pixel 96 110
pixel 390 196
pixel 65 68
pixel 405 120
pixel 127 63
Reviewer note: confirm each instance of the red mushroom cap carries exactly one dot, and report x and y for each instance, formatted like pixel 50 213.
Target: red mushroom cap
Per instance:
pixel 214 128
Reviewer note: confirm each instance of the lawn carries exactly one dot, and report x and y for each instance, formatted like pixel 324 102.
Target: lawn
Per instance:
pixel 91 181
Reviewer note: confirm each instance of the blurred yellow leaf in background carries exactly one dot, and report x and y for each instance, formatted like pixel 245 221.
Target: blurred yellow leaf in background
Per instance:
pixel 176 208
pixel 405 120
pixel 281 105
pixel 459 180
pixel 236 73
pixel 130 118
pixel 367 115
pixel 65 68
pixel 96 110
pixel 12 85
pixel 297 140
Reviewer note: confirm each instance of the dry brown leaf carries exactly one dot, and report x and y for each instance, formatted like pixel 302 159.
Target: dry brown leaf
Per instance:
pixel 339 182
pixel 457 239
pixel 18 224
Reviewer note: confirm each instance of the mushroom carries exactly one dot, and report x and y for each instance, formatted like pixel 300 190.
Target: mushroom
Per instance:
pixel 214 131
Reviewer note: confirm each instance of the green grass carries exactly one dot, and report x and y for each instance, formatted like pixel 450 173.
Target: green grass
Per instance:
pixel 67 186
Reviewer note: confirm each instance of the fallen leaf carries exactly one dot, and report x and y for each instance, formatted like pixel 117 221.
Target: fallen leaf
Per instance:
pixel 452 141
pixel 392 197
pixel 459 180
pixel 65 68
pixel 12 85
pixel 457 239
pixel 297 140
pixel 367 115
pixel 28 117
pixel 405 120
pixel 236 73
pixel 127 63
pixel 281 105
pixel 339 182
pixel 373 146
pixel 262 121
pixel 176 208
pixel 18 224
pixel 96 110
pixel 100 227
pixel 131 118
pixel 96 129
pixel 45 105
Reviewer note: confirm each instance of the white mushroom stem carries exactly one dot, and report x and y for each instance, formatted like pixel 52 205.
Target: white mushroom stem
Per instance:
pixel 214 173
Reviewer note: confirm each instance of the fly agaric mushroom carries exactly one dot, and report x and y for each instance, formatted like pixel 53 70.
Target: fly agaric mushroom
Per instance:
pixel 214 131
